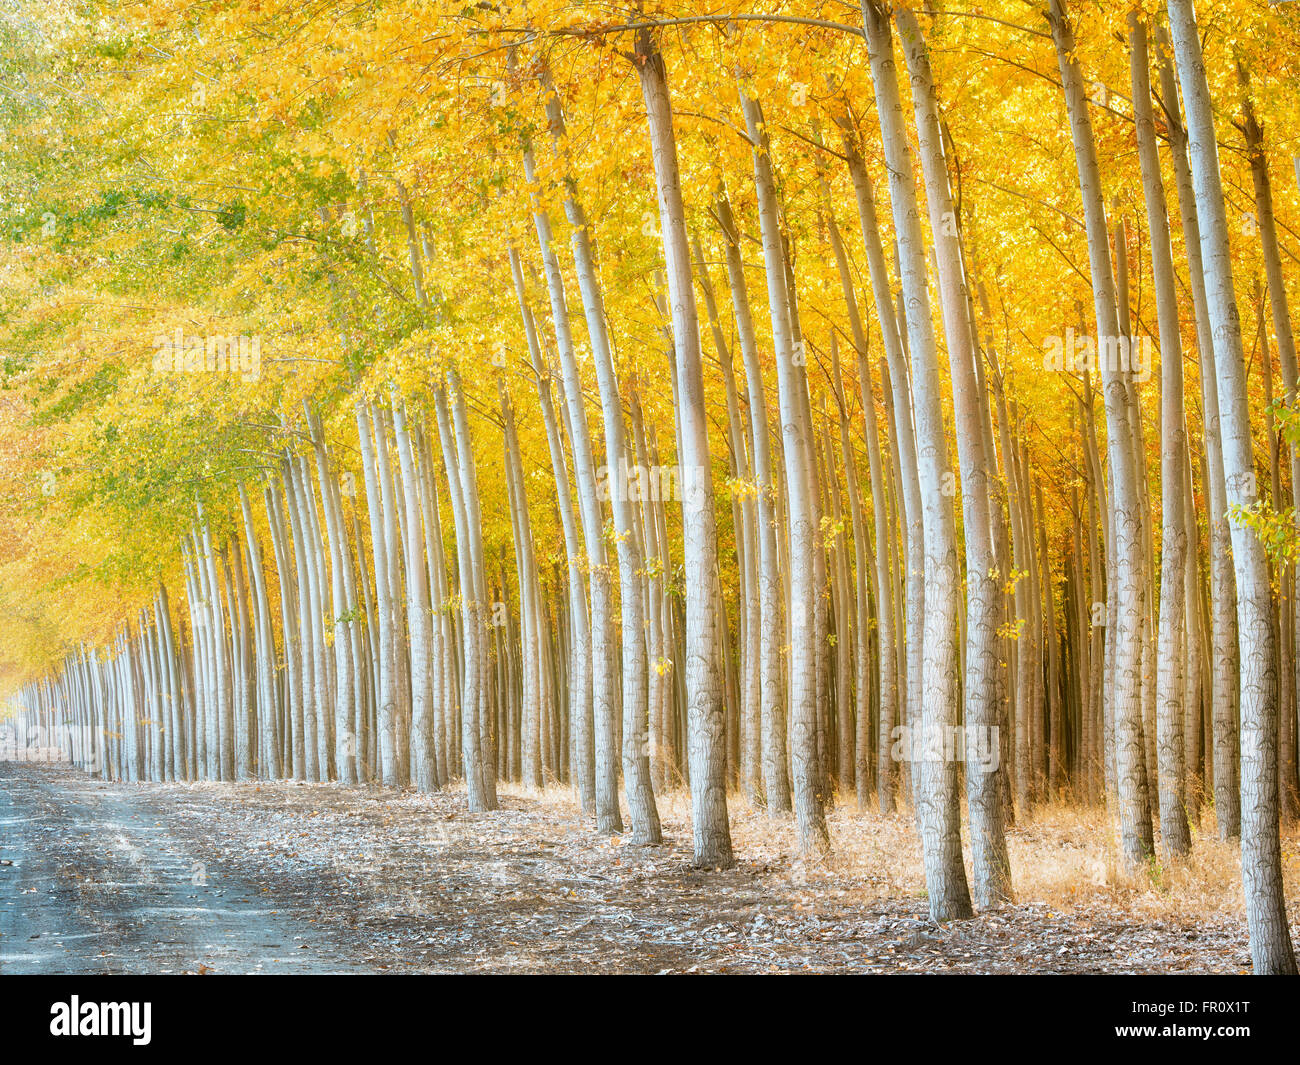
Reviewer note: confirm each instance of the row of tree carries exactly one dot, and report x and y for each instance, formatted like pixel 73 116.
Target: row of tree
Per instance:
pixel 859 639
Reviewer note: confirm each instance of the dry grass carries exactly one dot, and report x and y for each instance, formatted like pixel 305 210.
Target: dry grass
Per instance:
pixel 1062 856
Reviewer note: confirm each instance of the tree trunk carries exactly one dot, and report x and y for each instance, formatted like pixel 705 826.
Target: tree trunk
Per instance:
pixel 1261 858
pixel 1170 656
pixel 705 711
pixel 938 812
pixel 1126 637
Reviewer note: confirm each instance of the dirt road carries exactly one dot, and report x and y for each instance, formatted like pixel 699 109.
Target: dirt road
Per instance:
pixel 95 881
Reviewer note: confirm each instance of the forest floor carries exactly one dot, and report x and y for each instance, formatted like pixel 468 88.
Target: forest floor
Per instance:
pixel 285 877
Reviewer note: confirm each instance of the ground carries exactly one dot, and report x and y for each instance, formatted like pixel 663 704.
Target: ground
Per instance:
pixel 100 877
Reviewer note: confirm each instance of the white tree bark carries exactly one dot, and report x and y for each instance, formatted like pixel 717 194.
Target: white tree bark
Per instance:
pixel 1174 834
pixel 991 862
pixel 802 514
pixel 1126 635
pixel 705 711
pixel 938 812
pixel 1261 858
